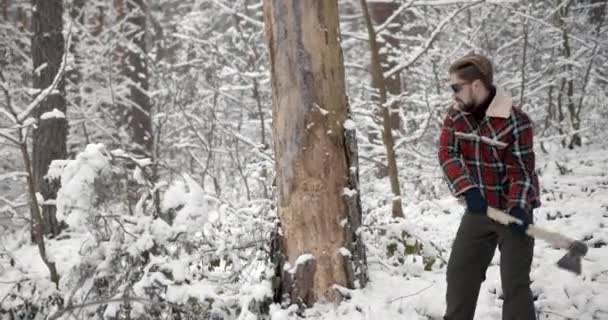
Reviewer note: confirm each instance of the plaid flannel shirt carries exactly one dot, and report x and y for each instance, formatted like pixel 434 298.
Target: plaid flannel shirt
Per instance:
pixel 495 155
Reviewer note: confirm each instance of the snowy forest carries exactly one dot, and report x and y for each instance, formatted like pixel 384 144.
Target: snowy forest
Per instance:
pixel 277 159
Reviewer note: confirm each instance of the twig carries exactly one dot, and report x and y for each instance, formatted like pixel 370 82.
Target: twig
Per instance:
pixel 555 313
pixel 411 295
pixel 429 41
pixel 393 16
pixel 61 312
pixel 240 15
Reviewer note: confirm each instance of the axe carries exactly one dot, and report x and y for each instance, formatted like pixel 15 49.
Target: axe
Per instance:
pixel 571 261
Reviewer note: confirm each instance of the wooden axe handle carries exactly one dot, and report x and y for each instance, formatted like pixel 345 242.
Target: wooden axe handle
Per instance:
pixel 555 239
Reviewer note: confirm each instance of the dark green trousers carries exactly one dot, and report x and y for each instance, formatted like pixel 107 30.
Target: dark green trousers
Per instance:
pixel 472 252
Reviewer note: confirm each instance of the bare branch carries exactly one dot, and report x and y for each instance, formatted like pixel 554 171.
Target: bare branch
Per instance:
pixel 398 68
pixel 10 112
pixel 429 3
pixel 393 16
pixel 545 24
pixel 50 89
pixel 72 308
pixel 413 294
pixel 240 15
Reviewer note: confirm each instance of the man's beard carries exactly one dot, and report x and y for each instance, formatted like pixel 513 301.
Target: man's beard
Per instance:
pixel 466 107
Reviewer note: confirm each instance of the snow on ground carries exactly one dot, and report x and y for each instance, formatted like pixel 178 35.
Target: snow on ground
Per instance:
pixel 575 202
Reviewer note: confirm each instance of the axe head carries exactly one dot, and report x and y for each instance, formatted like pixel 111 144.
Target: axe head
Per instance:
pixel 572 260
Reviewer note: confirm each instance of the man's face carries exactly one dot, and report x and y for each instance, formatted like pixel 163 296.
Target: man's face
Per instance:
pixel 462 93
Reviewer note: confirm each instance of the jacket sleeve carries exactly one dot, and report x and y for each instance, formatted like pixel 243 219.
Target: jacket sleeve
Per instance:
pixel 450 159
pixel 519 159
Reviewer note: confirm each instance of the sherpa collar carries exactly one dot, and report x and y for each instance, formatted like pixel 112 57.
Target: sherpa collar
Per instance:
pixel 501 105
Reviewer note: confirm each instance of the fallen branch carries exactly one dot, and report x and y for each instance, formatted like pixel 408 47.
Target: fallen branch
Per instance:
pixel 411 295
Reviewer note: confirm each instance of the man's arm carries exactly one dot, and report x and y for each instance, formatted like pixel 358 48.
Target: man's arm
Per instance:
pixel 450 160
pixel 520 165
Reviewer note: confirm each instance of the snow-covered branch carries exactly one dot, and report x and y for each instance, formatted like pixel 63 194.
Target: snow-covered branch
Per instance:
pixel 398 68
pixel 50 89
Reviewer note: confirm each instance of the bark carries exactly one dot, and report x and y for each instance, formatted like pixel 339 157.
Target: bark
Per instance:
pixel 598 18
pixel 4 5
pixel 598 12
pixel 23 21
pixel 548 118
pixel 167 48
pixel 133 67
pixel 74 75
pixel 77 14
pixel 380 12
pixel 387 134
pixel 50 135
pixel 98 21
pixel 316 164
pixel 523 63
pixel 568 81
pixel 37 222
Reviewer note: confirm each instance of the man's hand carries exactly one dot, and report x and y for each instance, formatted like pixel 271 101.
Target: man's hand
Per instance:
pixel 520 214
pixel 475 202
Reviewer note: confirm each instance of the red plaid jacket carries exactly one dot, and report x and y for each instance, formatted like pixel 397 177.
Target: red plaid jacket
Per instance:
pixel 495 155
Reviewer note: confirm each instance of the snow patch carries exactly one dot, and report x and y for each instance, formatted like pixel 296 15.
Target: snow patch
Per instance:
pixel 348 192
pixel 344 252
pixel 54 114
pixel 349 124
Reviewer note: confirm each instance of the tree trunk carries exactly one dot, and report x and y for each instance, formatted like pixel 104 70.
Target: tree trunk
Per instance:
pixel 523 63
pixel 23 21
pixel 37 221
pixel 74 74
pixel 387 134
pixel 4 9
pixel 98 21
pixel 598 12
pixel 315 151
pixel 49 137
pixel 133 68
pixel 380 13
pixel 575 140
pixel 76 14
pixel 597 17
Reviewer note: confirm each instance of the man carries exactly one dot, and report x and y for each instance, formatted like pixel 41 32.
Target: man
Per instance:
pixel 486 153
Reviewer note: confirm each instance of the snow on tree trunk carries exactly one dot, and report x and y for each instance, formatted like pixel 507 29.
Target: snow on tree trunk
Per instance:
pixel 50 134
pixel 315 153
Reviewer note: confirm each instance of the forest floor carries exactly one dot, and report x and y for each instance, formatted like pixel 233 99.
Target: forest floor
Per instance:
pixel 574 202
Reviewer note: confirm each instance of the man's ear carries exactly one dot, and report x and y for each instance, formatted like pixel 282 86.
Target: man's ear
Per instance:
pixel 476 83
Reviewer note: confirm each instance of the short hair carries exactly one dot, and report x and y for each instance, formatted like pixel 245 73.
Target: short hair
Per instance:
pixel 474 67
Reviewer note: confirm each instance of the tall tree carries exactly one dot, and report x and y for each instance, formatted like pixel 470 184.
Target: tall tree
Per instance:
pixel 131 56
pixel 315 153
pixel 597 17
pixel 381 13
pixel 50 134
pixel 23 21
pixel 77 14
pixel 4 5
pixel 74 83
pixel 380 82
